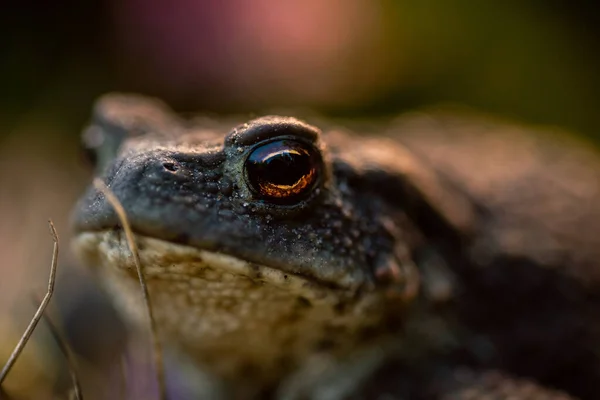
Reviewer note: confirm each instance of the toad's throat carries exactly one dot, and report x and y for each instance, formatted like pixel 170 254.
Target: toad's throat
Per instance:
pixel 226 311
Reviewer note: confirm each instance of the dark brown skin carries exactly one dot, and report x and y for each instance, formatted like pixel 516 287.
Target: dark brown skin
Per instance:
pixel 456 244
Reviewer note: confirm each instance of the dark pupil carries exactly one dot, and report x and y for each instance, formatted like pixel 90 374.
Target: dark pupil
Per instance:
pixel 275 168
pixel 279 165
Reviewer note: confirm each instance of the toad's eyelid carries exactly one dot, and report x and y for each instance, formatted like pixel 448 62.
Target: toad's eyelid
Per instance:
pixel 270 128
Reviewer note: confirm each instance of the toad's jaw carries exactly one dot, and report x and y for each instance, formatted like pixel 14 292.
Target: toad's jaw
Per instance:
pixel 159 257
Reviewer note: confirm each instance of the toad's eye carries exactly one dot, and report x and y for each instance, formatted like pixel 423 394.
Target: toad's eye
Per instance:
pixel 284 170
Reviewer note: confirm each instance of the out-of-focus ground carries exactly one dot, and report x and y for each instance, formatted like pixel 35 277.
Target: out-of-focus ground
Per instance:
pixel 529 60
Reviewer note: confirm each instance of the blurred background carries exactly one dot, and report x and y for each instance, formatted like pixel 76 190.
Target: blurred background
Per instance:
pixel 529 60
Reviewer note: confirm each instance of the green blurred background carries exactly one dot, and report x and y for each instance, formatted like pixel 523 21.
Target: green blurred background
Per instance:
pixel 529 60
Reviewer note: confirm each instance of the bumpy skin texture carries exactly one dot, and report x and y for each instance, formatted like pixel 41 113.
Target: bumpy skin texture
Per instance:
pixel 449 241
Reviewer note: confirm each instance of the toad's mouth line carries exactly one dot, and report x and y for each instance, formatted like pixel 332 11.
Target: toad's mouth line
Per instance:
pixel 109 249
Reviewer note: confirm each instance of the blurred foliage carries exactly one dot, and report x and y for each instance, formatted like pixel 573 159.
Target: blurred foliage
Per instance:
pixel 531 60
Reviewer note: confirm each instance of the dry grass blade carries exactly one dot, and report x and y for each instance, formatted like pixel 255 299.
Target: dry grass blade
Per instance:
pixel 157 350
pixel 66 350
pixel 38 314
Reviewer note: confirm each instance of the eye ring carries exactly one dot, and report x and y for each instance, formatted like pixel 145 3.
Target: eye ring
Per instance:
pixel 283 171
